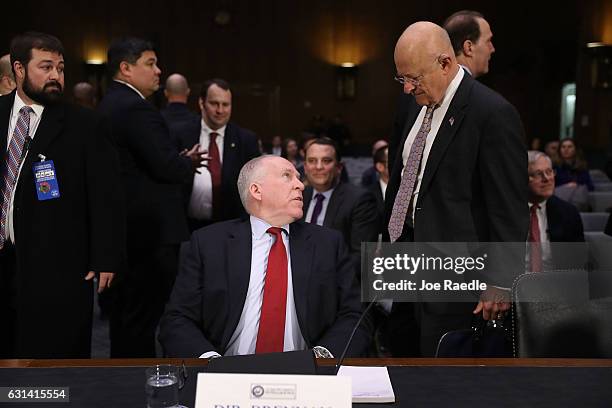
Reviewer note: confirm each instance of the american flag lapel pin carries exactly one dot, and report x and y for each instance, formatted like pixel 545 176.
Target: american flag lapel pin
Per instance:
pixel 233 144
pixel 451 120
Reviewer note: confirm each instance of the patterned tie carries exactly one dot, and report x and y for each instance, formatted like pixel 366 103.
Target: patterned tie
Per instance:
pixel 271 333
pixel 535 245
pixel 317 208
pixel 214 167
pixel 13 161
pixel 408 183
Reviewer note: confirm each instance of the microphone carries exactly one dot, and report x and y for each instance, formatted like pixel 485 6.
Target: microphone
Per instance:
pixel 26 147
pixel 348 343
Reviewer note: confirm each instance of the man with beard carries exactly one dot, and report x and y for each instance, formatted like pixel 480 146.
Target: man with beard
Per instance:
pixel 60 222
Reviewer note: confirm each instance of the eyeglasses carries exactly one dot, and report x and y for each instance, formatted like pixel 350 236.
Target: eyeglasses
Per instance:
pixel 403 79
pixel 541 173
pixel 416 81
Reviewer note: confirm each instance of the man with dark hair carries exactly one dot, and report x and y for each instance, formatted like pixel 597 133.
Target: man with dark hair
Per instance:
pixel 84 94
pixel 177 93
pixel 7 79
pixel 334 204
pixel 61 220
pixel 153 173
pixel 471 37
pixel 213 195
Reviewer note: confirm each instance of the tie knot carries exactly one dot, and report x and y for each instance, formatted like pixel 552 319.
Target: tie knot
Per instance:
pixel 26 110
pixel 535 207
pixel 319 197
pixel 213 136
pixel 276 231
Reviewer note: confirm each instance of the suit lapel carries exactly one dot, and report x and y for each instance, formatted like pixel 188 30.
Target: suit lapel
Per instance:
pixel 307 197
pixel 230 160
pixel 301 250
pixel 6 104
pixel 554 220
pixel 238 255
pixel 334 205
pixel 450 124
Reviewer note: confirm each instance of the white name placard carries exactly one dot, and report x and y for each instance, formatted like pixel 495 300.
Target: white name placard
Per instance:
pixel 272 391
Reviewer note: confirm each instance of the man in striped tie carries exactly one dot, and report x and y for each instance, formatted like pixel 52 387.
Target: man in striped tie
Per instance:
pixel 60 220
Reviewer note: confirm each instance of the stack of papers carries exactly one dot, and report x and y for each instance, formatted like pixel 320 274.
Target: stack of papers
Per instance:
pixel 370 384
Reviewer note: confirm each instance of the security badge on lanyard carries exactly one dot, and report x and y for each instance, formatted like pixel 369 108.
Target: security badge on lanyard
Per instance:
pixel 45 179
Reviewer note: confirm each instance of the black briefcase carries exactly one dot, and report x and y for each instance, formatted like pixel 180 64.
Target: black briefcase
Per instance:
pixel 484 339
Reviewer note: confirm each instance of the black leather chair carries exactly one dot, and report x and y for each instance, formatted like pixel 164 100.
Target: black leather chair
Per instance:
pixel 554 317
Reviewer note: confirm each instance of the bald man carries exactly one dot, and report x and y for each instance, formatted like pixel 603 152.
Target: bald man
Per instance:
pixel 464 143
pixel 7 79
pixel 85 95
pixel 177 93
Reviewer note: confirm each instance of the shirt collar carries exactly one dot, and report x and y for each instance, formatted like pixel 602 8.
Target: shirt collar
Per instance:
pixel 259 227
pixel 19 103
pixel 327 194
pixel 466 69
pixel 452 88
pixel 542 205
pixel 130 86
pixel 208 130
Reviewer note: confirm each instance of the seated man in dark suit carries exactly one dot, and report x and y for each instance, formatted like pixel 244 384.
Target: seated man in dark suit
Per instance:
pixel 551 219
pixel 338 205
pixel 266 283
pixel 370 176
pixel 213 195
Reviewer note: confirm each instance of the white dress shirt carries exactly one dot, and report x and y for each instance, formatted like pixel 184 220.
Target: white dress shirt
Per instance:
pixel 383 188
pixel 327 194
pixel 200 203
pixel 436 122
pixel 35 117
pixel 244 339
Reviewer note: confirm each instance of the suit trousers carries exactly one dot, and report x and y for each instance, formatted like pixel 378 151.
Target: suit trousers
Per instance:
pixel 8 313
pixel 139 299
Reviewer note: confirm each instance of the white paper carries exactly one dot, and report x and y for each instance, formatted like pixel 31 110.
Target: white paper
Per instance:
pixel 370 384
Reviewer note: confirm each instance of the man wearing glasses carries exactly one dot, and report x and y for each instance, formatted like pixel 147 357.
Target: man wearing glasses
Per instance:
pixel 460 174
pixel 550 218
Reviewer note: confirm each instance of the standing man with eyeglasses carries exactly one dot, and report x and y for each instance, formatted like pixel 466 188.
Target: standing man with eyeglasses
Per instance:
pixel 460 174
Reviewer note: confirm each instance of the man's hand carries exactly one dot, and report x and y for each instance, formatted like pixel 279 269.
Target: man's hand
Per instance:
pixel 104 281
pixel 494 303
pixel 196 156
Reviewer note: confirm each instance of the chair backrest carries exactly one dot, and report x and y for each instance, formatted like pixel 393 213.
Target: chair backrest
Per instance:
pixel 553 317
pixel 600 201
pixel 595 221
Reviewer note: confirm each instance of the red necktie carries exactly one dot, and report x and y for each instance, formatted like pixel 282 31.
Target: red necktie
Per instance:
pixel 271 334
pixel 535 255
pixel 214 167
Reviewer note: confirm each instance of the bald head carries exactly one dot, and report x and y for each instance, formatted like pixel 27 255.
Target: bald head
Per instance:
pixel 7 79
pixel 425 58
pixel 177 89
pixel 84 95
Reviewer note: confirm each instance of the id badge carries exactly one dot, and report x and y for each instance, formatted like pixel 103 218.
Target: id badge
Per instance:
pixel 45 180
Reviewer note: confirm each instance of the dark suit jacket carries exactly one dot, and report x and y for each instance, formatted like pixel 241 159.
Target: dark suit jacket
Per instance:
pixel 380 205
pixel 564 222
pixel 210 290
pixel 352 211
pixel 239 146
pixel 565 226
pixel 474 187
pixel 58 241
pixel 152 172
pixel 176 113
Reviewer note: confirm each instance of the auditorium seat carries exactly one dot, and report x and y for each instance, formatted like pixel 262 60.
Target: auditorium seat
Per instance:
pixel 595 221
pixel 600 201
pixel 599 176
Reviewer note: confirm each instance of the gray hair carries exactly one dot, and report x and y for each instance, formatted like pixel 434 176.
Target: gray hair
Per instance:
pixel 251 172
pixel 534 155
